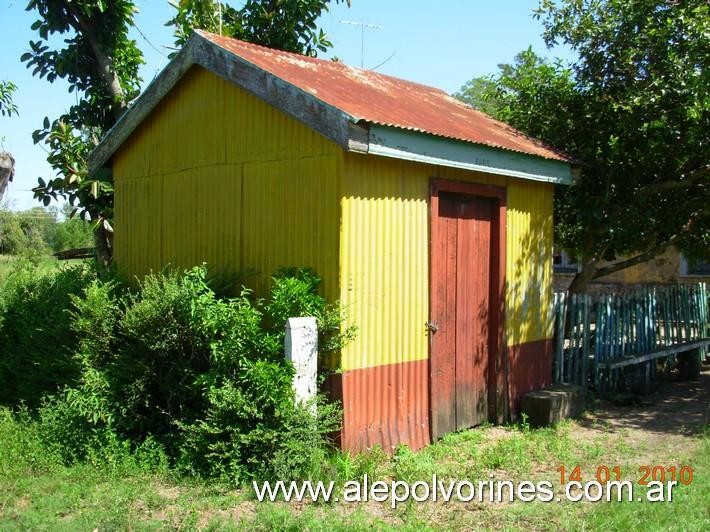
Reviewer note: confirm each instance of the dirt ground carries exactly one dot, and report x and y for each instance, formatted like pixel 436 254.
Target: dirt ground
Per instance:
pixel 665 420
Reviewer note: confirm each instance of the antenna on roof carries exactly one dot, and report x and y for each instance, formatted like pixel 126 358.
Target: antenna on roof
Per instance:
pixel 219 15
pixel 362 25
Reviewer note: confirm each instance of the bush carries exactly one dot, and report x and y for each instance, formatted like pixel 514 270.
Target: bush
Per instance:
pixel 173 366
pixel 28 446
pixel 22 450
pixel 36 340
pixel 71 233
pixel 295 293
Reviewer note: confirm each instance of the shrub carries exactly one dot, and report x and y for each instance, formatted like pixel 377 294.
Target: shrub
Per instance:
pixel 253 429
pixel 22 450
pixel 295 293
pixel 36 340
pixel 29 446
pixel 199 376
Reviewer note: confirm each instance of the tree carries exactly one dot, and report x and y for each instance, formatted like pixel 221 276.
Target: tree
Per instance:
pixel 69 233
pixel 100 63
pixel 288 25
pixel 480 93
pixel 26 232
pixel 634 109
pixel 7 108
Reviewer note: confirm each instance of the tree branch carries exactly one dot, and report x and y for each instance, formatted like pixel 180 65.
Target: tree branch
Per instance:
pixel 104 63
pixel 638 259
pixel 693 177
pixel 650 253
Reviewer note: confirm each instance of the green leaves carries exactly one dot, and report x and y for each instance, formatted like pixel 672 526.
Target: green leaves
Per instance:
pixel 633 108
pixel 95 41
pixel 7 106
pixel 288 25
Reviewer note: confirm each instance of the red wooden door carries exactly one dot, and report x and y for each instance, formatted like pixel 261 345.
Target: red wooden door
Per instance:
pixel 461 264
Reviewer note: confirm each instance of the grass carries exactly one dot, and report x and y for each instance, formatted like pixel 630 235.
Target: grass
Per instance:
pixel 690 509
pixel 45 264
pixel 38 492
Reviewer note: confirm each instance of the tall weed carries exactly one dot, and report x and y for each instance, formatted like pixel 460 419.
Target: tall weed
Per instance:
pixel 37 342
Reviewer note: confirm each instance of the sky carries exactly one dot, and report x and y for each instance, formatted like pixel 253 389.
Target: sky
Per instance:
pixel 440 43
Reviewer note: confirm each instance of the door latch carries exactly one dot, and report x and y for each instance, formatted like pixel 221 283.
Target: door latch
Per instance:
pixel 431 326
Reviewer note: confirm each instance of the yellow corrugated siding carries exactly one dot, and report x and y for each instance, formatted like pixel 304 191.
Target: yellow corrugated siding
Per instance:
pixel 384 256
pixel 137 225
pixel 301 228
pixel 216 175
pixel 201 219
pixel 529 262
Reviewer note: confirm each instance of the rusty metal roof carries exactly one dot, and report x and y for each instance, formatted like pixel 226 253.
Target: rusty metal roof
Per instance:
pixel 385 100
pixel 360 110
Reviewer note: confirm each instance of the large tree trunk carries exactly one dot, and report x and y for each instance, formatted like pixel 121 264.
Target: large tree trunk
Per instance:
pixel 106 68
pixel 584 277
pixel 7 171
pixel 105 63
pixel 103 244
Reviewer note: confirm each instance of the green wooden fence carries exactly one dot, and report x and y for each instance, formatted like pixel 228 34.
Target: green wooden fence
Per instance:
pixel 594 335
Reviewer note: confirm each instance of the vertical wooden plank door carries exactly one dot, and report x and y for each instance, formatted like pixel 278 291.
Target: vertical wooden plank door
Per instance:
pixel 460 326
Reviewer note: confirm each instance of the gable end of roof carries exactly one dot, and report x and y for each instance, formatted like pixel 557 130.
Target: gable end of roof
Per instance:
pixel 327 120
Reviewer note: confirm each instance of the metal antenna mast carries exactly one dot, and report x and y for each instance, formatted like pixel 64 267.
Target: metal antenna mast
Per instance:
pixel 362 25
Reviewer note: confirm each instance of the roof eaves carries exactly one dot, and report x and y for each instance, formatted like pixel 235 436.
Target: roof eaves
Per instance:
pixel 409 145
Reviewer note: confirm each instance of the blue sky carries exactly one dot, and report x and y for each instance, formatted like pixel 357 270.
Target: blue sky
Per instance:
pixel 440 43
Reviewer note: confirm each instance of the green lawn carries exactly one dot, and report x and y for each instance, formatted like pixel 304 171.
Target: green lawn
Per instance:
pixel 7 262
pixel 36 493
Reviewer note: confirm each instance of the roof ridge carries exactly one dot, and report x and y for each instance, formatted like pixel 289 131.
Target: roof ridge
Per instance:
pixel 342 102
pixel 214 38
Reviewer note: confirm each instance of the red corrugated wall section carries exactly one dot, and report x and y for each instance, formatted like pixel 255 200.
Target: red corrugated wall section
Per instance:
pixel 385 405
pixel 530 368
pixel 389 405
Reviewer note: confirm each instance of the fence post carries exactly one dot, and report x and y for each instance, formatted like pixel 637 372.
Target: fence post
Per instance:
pixel 560 317
pixel 586 341
pixel 301 349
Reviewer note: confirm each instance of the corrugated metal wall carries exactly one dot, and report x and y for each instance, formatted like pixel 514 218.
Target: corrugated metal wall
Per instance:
pixel 215 175
pixel 384 257
pixel 384 284
pixel 529 262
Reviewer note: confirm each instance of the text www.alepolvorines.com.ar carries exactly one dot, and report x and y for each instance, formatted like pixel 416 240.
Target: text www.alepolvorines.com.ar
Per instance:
pixel 492 491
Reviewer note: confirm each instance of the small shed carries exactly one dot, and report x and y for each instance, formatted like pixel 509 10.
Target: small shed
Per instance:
pixel 429 220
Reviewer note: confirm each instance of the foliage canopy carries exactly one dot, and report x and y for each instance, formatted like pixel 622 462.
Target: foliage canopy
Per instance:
pixel 634 109
pixel 288 25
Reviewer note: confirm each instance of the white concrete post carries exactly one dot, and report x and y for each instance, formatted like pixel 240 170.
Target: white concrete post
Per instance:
pixel 301 349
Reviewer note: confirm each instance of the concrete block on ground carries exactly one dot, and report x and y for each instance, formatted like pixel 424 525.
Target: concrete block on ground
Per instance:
pixel 552 405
